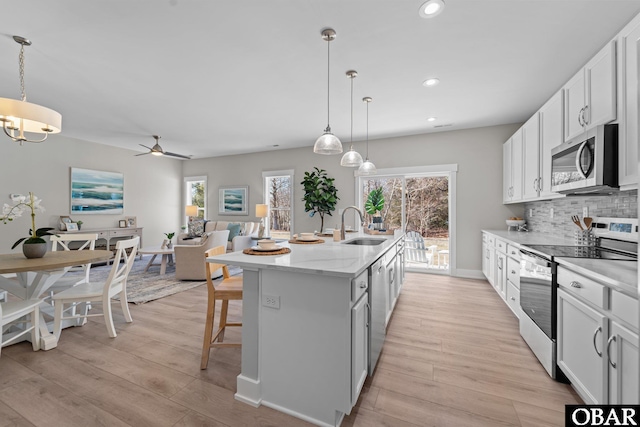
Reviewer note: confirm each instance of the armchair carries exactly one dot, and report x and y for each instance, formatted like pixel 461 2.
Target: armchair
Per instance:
pixel 189 259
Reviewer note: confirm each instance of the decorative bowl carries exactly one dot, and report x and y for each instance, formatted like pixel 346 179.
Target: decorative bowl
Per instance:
pixel 515 222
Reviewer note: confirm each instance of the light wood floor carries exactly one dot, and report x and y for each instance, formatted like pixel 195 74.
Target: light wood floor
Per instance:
pixel 452 357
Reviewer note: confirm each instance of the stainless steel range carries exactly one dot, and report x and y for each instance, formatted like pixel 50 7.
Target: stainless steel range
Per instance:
pixel 617 238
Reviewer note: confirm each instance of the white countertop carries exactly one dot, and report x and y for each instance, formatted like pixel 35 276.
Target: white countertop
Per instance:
pixel 329 258
pixel 619 275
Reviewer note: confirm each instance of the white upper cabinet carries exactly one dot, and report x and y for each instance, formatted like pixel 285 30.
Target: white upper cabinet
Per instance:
pixel 590 96
pixel 550 137
pixel 628 105
pixel 531 157
pixel 512 168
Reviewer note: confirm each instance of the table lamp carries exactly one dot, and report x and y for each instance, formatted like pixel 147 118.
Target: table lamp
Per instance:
pixel 262 211
pixel 191 211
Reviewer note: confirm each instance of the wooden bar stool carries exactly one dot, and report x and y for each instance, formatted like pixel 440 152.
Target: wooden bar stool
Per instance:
pixel 229 289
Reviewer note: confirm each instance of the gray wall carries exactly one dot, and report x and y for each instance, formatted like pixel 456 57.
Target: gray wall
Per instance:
pixel 477 152
pixel 152 185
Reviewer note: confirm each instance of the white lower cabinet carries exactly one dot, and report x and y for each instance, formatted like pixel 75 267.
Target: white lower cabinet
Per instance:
pixel 501 275
pixel 622 352
pixel 597 342
pixel 581 342
pixel 359 345
pixel 513 298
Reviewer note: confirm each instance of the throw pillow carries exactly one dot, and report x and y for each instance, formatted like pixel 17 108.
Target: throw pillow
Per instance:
pixel 196 228
pixel 234 230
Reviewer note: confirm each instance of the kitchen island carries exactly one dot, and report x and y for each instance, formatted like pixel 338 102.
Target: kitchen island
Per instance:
pixel 306 324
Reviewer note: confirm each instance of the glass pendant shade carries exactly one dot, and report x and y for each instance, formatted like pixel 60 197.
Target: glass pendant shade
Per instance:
pixel 351 159
pixel 367 168
pixel 328 143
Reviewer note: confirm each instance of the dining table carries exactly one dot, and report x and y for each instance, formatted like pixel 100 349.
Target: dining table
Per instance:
pixel 34 276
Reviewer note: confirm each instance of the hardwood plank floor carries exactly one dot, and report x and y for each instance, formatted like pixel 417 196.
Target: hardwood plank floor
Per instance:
pixel 453 357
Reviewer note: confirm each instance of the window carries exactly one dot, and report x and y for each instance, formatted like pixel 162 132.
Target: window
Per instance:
pixel 196 194
pixel 278 195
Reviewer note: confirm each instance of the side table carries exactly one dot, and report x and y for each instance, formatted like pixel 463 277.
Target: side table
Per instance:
pixel 167 257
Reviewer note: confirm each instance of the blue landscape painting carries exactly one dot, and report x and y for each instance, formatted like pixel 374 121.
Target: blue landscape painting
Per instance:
pixel 96 192
pixel 233 201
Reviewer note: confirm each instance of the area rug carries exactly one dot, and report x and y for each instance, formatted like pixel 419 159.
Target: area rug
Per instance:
pixel 144 287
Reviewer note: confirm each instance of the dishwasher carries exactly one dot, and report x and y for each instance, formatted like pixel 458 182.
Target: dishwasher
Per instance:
pixel 378 304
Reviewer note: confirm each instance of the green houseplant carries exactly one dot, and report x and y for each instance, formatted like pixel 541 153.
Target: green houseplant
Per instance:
pixel 34 246
pixel 374 205
pixel 169 236
pixel 320 195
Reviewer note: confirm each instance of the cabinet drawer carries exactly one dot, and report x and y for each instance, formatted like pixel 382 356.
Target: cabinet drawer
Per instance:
pixel 491 240
pixel 501 246
pixel 583 287
pixel 625 308
pixel 123 233
pixel 513 251
pixel 513 272
pixel 359 285
pixel 513 298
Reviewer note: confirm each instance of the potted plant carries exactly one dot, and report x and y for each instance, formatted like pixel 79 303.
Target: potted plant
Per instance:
pixel 169 236
pixel 374 205
pixel 79 224
pixel 320 195
pixel 34 246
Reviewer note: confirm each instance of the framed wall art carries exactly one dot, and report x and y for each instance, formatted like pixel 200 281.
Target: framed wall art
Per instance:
pixel 96 192
pixel 233 200
pixel 72 226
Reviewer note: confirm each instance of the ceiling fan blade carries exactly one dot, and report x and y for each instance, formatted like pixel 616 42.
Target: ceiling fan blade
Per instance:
pixel 148 148
pixel 142 154
pixel 166 153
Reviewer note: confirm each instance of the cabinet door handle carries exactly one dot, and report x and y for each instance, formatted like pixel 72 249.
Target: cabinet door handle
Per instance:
pixel 611 339
pixel 585 115
pixel 579 117
pixel 540 184
pixel 535 184
pixel 363 284
pixel 513 272
pixel 366 304
pixel 595 334
pixel 512 299
pixel 576 284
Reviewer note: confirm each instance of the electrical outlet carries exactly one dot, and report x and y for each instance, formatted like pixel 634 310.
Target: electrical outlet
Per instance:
pixel 551 213
pixel 271 301
pixel 585 212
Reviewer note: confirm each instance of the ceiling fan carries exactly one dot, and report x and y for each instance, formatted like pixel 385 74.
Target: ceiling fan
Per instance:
pixel 156 150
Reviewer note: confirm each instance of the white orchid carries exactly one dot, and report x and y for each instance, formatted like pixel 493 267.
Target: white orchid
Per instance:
pixel 21 205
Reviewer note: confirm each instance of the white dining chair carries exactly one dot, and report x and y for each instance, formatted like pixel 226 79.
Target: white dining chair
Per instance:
pixel 116 284
pixel 12 314
pixel 65 242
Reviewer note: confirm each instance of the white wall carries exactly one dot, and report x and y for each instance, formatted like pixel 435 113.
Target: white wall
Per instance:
pixel 152 185
pixel 477 152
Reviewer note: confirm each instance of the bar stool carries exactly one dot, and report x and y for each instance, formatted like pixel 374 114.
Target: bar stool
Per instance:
pixel 229 289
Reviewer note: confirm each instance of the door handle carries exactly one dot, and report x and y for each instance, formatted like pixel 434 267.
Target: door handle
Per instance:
pixel 595 334
pixel 535 184
pixel 585 115
pixel 366 304
pixel 611 339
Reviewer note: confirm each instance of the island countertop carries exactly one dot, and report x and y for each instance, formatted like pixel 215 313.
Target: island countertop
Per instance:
pixel 329 258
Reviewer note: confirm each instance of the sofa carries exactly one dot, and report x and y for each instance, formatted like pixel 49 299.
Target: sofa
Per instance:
pixel 189 259
pixel 241 241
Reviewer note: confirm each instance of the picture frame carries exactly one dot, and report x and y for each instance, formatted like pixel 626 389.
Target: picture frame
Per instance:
pixel 122 223
pixel 96 192
pixel 131 221
pixel 233 200
pixel 72 226
pixel 64 220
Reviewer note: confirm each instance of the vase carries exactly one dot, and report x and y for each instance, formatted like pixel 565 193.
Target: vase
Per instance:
pixel 34 250
pixel 169 245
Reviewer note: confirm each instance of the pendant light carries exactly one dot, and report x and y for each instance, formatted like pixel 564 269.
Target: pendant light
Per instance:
pixel 18 117
pixel 328 143
pixel 351 159
pixel 367 168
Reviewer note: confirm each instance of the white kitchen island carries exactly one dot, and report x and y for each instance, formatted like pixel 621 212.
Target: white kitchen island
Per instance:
pixel 306 318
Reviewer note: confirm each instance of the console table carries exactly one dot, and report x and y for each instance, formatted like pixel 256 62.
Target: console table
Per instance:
pixel 109 233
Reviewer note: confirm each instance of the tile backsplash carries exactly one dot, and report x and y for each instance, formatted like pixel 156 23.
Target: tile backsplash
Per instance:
pixel 618 205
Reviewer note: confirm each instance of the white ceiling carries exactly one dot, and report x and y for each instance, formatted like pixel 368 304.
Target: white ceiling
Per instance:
pixel 224 77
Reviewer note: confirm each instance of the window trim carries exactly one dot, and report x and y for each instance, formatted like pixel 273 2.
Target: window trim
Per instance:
pixel 197 178
pixel 265 190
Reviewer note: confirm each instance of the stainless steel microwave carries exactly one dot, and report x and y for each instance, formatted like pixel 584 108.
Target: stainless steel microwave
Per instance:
pixel 588 163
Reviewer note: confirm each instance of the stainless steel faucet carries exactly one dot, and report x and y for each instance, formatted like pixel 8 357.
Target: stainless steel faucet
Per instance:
pixel 342 237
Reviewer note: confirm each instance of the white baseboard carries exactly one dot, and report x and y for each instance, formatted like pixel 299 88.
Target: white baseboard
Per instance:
pixel 248 391
pixel 469 274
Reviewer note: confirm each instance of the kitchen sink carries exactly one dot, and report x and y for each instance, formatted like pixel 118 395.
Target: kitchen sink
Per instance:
pixel 364 242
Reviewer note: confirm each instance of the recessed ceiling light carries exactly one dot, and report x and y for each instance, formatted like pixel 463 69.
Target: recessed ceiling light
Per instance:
pixel 432 119
pixel 431 82
pixel 431 8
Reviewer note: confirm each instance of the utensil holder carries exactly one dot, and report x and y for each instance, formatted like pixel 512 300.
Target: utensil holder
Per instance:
pixel 584 238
